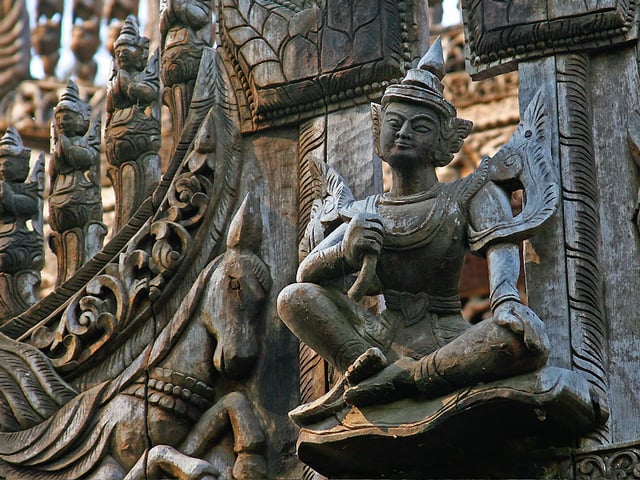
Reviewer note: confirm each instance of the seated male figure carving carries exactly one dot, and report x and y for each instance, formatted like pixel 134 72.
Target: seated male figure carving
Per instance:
pixel 413 239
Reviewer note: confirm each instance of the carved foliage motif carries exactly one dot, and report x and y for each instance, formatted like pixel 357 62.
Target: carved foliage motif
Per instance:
pixel 316 53
pixel 499 33
pixel 115 302
pixel 609 464
pixel 579 187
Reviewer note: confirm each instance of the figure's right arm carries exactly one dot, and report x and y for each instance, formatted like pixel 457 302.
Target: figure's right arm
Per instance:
pixel 326 262
pixel 343 251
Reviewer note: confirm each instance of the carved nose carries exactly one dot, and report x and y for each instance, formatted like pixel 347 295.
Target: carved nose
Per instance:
pixel 404 132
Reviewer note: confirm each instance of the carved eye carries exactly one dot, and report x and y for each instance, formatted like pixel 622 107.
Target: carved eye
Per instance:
pixel 234 284
pixel 528 134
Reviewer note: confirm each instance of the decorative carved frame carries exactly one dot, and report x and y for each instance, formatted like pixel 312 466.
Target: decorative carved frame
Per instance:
pixel 496 41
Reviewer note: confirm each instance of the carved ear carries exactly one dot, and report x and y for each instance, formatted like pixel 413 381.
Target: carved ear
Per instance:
pixel 245 231
pixel 376 120
pixel 460 129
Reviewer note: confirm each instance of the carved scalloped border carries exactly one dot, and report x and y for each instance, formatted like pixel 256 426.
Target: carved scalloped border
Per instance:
pixel 368 92
pixel 614 462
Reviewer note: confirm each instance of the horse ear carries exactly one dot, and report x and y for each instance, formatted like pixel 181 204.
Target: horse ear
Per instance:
pixel 376 119
pixel 245 231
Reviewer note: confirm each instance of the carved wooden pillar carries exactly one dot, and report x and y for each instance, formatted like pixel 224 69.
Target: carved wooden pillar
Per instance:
pixel 21 246
pixel 75 202
pixel 46 34
pixel 582 271
pixel 85 39
pixel 132 134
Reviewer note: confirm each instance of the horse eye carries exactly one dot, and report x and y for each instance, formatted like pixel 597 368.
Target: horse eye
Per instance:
pixel 234 284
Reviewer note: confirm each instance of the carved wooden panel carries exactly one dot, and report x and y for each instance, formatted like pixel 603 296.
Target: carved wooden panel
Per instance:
pixel 297 59
pixel 500 33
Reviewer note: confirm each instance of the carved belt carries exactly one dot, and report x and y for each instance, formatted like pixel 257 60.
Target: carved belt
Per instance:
pixel 415 306
pixel 182 394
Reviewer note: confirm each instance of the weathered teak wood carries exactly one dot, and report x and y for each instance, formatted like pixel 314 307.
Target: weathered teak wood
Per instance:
pixel 121 314
pixel 416 385
pixel 14 45
pixel 582 271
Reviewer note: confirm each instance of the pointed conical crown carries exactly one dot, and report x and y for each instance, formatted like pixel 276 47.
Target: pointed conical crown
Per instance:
pixel 70 100
pixel 11 145
pixel 130 34
pixel 423 84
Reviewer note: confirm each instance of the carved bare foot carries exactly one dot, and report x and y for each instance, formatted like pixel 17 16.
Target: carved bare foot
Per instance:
pixel 249 466
pixel 163 460
pixel 367 364
pixel 394 382
pixel 321 407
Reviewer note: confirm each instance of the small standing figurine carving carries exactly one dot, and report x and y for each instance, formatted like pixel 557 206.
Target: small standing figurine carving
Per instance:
pixel 132 129
pixel 75 203
pixel 21 247
pixel 409 244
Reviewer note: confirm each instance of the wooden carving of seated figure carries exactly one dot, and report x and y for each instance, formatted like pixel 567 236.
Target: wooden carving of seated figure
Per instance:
pixel 413 239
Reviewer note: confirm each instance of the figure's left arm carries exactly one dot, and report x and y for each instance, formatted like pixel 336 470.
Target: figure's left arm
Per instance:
pixel 492 206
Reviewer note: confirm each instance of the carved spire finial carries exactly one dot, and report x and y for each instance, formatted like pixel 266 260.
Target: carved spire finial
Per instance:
pixel 423 84
pixel 130 34
pixel 11 145
pixel 433 60
pixel 70 100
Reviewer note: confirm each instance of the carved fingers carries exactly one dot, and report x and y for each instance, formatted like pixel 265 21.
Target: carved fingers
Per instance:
pixel 521 320
pixel 364 236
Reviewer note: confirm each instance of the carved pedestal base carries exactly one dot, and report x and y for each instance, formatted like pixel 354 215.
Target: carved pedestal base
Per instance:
pixel 133 182
pixel 74 247
pixel 491 425
pixel 18 292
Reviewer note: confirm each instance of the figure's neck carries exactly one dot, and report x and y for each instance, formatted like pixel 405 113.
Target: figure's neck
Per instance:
pixel 411 182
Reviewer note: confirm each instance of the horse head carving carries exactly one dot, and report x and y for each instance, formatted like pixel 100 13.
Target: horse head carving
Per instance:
pixel 241 281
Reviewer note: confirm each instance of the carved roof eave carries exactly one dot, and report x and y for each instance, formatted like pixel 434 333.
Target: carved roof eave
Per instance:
pixel 491 51
pixel 292 100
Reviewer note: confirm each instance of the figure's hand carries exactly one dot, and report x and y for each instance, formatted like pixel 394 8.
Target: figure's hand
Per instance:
pixel 521 320
pixel 394 382
pixel 364 236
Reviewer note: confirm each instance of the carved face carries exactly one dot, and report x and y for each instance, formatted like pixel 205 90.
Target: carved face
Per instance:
pixel 13 169
pixel 129 57
pixel 68 122
pixel 409 134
